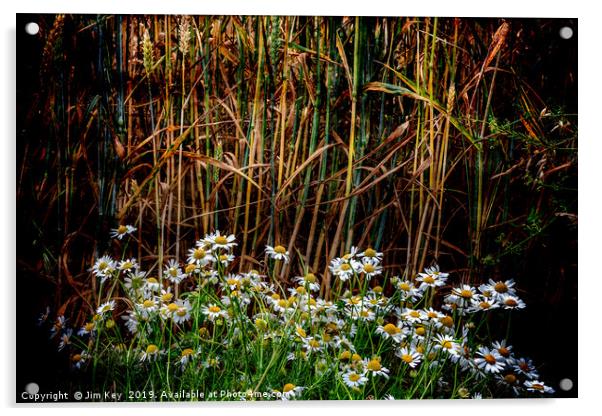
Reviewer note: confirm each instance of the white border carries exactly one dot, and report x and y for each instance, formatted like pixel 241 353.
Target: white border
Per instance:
pixel 590 157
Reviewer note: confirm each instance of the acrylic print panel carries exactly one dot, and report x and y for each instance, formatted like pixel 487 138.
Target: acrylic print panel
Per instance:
pixel 295 208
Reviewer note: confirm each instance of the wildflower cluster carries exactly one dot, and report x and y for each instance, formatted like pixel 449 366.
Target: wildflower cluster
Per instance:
pixel 200 323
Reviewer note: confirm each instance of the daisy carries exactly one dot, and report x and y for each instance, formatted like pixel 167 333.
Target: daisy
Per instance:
pixel 525 367
pixel 510 381
pixel 199 256
pixel 65 338
pixel 79 360
pixel 151 353
pixel 407 290
pixel 374 368
pixel 370 253
pixel 431 277
pixel 173 272
pixel 122 231
pixel 217 241
pixel 88 328
pixel 225 259
pixel 489 360
pixel 277 253
pixel 105 307
pixel 463 295
pixel 147 308
pixel 151 285
pixel 134 281
pixel 128 265
pixel 413 315
pixel 187 355
pixel 538 386
pixel 104 267
pixel 182 314
pixel 342 268
pixel 353 379
pixel 482 303
pixel 312 345
pixel 213 312
pixel 309 281
pixel 410 357
pixel 290 391
pixel 370 268
pixel 512 302
pixel 503 349
pixel 390 331
pixel 447 344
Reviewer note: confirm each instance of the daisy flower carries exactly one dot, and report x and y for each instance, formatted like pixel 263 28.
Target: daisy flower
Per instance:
pixel 372 254
pixel 290 391
pixel 413 315
pixel 354 379
pixel 407 290
pixel 375 368
pixel 447 344
pixel 187 355
pixel 431 277
pixel 538 386
pixel 489 360
pixel 104 267
pixel 213 312
pixel 174 272
pixel 525 367
pixel 88 328
pixel 151 285
pixel 309 281
pixel 182 314
pixel 463 295
pixel 370 268
pixel 128 265
pixel 134 281
pixel 79 360
pixel 225 258
pixel 217 241
pixel 277 253
pixel 503 349
pixel 482 303
pixel 390 331
pixel 312 344
pixel 122 231
pixel 151 353
pixel 199 256
pixel 105 307
pixel 147 308
pixel 410 357
pixel 512 302
pixel 342 268
pixel 65 339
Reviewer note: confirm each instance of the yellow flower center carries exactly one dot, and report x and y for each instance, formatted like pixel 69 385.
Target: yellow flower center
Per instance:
pixel 89 326
pixel 370 252
pixel 103 265
pixel 301 332
pixel 152 280
pixel 127 265
pixel 199 254
pixel 500 287
pixel 310 278
pixel 429 280
pixel 490 359
pixel 261 323
pixel 214 309
pixel 223 257
pixel 166 297
pixel 203 332
pixel 354 300
pixel 301 290
pixel 279 250
pixel 314 343
pixel 415 314
pixel 173 272
pixel 152 349
pixel 345 355
pixel 345 267
pixel 511 302
pixel 187 352
pixel 447 321
pixel 354 377
pixel 374 365
pixel 220 239
pixel 190 268
pixel 148 303
pixel 288 387
pixel 407 358
pixel 504 352
pixel 466 294
pixel 485 305
pixel 405 286
pixel 76 358
pixel 446 344
pixel 420 331
pixel 377 289
pixel 275 296
pixel 537 386
pixel 181 312
pixel 368 268
pixel 283 303
pixel 510 378
pixel 122 229
pixel 356 357
pixel 391 329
